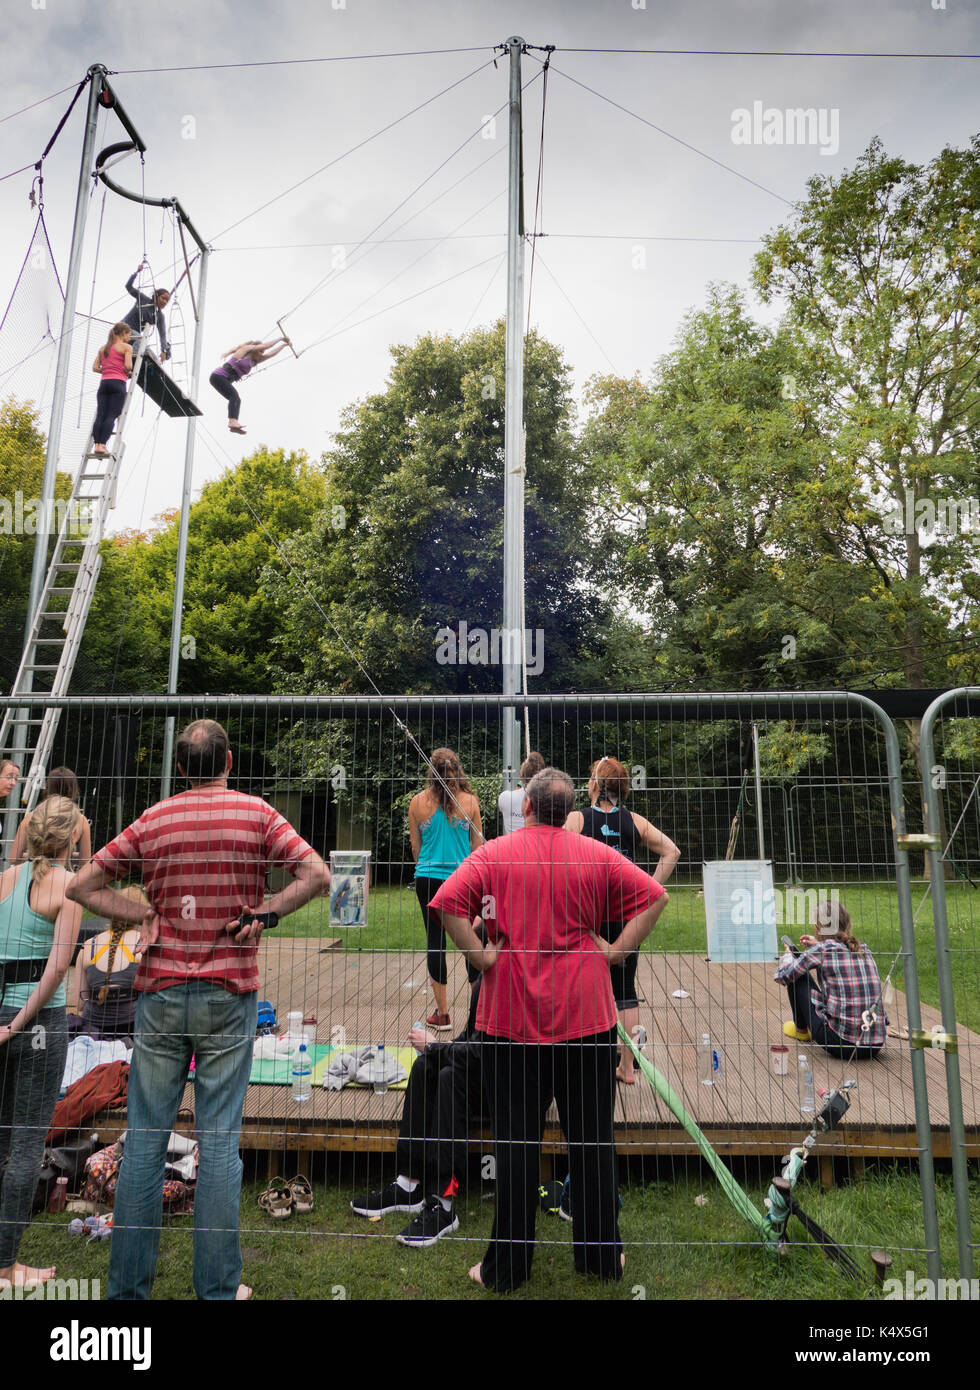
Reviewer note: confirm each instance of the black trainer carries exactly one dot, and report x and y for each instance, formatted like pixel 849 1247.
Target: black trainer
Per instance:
pixel 390 1198
pixel 433 1223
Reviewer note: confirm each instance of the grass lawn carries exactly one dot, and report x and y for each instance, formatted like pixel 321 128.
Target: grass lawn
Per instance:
pixel 395 924
pixel 674 1247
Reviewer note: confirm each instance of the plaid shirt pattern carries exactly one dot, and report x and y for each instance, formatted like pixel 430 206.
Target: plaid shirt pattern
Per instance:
pixel 848 983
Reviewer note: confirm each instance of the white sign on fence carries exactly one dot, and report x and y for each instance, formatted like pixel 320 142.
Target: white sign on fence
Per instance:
pixel 740 910
pixel 349 887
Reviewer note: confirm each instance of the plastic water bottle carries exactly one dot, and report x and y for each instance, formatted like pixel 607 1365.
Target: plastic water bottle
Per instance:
pixel 380 1084
pixel 707 1056
pixel 302 1073
pixel 806 1086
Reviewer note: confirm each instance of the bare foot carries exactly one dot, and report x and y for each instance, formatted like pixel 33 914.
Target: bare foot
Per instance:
pixel 235 427
pixel 628 1078
pixel 99 449
pixel 24 1276
pixel 244 1293
pixel 475 1275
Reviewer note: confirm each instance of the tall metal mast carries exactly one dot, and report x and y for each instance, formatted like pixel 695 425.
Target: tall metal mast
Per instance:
pixel 513 619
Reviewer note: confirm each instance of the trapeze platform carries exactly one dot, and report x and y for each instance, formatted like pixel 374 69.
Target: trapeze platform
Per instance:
pixel 162 389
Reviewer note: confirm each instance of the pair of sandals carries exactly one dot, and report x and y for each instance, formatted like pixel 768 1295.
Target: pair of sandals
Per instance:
pixel 280 1199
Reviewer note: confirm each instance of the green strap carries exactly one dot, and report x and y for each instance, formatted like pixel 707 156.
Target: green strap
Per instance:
pixel 735 1194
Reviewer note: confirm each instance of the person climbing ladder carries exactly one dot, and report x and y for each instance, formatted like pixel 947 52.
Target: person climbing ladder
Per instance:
pixel 239 362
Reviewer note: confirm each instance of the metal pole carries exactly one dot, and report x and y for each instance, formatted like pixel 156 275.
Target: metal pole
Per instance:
pixel 40 562
pixel 944 972
pixel 758 791
pixel 513 431
pixel 185 509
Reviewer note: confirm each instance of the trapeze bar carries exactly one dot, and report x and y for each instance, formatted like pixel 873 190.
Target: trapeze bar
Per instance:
pixel 162 389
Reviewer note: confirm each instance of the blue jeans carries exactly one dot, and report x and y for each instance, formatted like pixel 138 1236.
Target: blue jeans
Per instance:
pixel 205 1020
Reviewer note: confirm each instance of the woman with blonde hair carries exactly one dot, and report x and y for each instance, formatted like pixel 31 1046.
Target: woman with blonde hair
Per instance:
pixel 239 362
pixel 105 973
pixel 114 363
pixel 60 781
pixel 443 825
pixel 38 929
pixel 608 821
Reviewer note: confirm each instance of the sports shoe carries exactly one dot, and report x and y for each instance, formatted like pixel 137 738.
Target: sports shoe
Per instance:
pixel 439 1023
pixel 434 1222
pixel 390 1198
pixel 565 1205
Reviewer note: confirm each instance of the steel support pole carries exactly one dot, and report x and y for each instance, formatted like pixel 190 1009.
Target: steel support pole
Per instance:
pixel 760 832
pixel 513 619
pixel 185 510
pixel 944 970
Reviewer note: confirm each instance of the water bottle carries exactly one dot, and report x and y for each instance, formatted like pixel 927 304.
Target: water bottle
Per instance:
pixel 707 1057
pixel 806 1087
pixel 302 1073
pixel 380 1084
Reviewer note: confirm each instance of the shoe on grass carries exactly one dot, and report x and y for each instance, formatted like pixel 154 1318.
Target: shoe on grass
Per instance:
pixel 433 1223
pixel 389 1198
pixel 791 1031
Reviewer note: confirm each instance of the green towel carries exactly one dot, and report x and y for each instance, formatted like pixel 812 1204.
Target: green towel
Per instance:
pixel 278 1071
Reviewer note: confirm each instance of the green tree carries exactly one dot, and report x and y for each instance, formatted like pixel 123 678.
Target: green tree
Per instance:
pixel 881 277
pixel 229 625
pixel 410 543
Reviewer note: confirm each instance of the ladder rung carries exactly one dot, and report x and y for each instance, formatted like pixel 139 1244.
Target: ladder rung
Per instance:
pixel 40 668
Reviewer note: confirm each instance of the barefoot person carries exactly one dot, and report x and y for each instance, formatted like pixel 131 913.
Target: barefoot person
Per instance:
pixel 147 312
pixel 240 361
pixel 443 825
pixel 608 821
pixel 114 363
pixel 547 1017
pixel 38 928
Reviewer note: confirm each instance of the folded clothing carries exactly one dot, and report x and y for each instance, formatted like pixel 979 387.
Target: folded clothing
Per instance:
pixel 361 1067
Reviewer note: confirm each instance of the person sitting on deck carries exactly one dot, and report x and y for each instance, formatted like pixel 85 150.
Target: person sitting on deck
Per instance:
pixel 148 311
pixel 842 1012
pixel 445 1091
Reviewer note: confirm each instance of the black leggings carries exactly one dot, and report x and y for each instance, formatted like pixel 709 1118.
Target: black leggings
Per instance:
pixel 435 937
pixel 805 1017
pixel 224 388
pixel 622 977
pixel 109 402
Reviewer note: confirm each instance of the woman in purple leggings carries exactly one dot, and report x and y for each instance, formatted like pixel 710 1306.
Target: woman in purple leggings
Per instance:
pixel 239 362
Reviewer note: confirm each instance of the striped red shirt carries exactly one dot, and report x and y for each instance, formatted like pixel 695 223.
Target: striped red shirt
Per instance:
pixel 203 856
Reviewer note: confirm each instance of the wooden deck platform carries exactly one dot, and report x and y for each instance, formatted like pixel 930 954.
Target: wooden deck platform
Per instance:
pixel 376 997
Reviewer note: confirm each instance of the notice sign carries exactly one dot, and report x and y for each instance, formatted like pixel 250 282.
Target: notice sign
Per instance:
pixel 740 910
pixel 349 887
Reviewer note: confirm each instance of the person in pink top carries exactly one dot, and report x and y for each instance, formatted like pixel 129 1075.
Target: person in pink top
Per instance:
pixel 548 1016
pixel 114 363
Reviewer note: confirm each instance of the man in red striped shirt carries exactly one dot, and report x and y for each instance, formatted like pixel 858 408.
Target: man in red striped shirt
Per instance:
pixel 203 856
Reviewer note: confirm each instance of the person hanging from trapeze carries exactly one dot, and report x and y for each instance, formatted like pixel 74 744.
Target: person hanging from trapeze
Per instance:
pixel 239 362
pixel 148 311
pixel 114 363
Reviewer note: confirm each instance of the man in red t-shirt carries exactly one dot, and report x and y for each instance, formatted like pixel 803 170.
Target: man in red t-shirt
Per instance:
pixel 546 1008
pixel 203 856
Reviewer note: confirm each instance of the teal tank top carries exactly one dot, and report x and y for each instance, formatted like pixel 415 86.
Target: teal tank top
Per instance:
pixel 25 935
pixel 445 844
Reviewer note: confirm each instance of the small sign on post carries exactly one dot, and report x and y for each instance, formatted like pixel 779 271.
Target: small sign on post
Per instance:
pixel 349 882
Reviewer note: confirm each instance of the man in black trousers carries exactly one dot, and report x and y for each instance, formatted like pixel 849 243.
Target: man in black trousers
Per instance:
pixel 445 1092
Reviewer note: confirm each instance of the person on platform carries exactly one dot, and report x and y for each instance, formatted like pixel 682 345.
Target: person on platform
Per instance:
pixel 239 362
pixel 114 363
pixel 547 1016
pixel 38 929
pixel 842 1012
pixel 203 855
pixel 509 803
pixel 608 821
pixel 148 311
pixel 443 825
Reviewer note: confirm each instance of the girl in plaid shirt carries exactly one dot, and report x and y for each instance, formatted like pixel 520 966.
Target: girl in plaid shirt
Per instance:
pixel 843 1011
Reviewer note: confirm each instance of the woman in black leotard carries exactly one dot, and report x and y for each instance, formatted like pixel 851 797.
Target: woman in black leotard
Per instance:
pixel 608 821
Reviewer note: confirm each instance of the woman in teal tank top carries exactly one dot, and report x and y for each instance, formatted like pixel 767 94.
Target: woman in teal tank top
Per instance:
pixel 38 930
pixel 444 825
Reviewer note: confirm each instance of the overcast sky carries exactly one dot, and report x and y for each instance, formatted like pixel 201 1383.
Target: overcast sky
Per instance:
pixel 606 289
